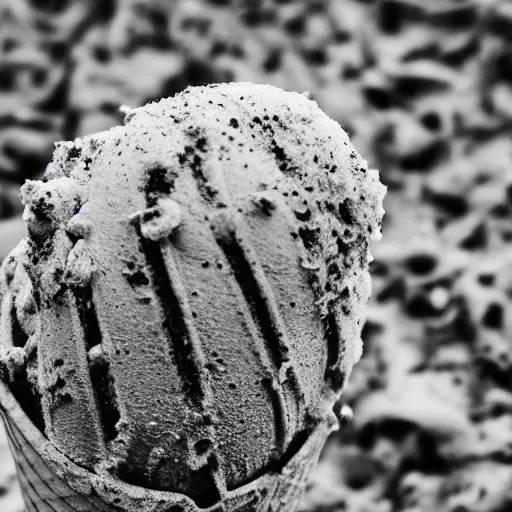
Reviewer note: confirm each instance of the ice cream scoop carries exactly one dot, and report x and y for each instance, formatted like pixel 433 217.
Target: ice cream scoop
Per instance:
pixel 188 304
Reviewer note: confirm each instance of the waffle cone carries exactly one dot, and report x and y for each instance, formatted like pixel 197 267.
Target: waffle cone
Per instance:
pixel 51 482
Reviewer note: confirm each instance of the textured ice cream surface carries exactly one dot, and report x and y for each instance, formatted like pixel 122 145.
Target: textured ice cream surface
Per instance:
pixel 189 301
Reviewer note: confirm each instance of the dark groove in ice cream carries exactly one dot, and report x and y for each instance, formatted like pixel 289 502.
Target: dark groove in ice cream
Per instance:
pixel 176 325
pixel 259 305
pixel 195 162
pixel 187 353
pixel 333 341
pixel 103 385
pixel 99 368
pixel 264 313
pixel 19 337
pixel 88 318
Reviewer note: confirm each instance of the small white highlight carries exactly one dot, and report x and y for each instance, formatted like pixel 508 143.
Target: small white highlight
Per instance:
pixel 376 235
pixel 346 413
pixel 439 297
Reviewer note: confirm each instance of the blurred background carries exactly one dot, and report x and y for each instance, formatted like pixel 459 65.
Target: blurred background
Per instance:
pixel 424 89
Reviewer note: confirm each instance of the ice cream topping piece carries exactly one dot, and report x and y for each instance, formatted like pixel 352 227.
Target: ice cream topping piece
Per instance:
pixel 160 220
pixel 194 282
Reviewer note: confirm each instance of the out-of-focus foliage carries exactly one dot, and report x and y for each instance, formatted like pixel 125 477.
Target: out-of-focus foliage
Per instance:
pixel 424 89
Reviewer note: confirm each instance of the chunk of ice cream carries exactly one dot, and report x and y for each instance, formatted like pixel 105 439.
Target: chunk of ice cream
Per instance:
pixel 189 301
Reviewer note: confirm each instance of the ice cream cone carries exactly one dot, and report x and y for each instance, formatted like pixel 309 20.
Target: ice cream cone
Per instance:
pixel 188 305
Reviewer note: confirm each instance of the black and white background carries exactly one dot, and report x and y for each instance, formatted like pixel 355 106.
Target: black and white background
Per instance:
pixel 424 89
